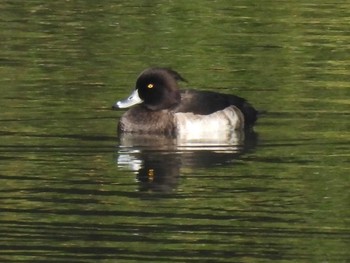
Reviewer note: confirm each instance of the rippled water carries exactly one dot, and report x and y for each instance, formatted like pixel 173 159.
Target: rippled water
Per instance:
pixel 71 190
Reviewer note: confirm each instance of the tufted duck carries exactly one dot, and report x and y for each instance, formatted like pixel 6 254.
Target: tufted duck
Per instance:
pixel 159 107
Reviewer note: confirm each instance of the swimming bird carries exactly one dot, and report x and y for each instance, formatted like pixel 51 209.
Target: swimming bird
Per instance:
pixel 158 106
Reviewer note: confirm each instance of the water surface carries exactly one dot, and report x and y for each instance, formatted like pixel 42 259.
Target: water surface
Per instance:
pixel 71 190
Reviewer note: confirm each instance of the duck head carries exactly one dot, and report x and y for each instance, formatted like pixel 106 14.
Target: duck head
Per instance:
pixel 156 89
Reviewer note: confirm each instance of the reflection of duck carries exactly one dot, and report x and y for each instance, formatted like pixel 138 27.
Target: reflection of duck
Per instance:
pixel 158 160
pixel 164 109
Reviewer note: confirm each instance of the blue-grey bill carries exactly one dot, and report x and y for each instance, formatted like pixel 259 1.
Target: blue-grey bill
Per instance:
pixel 132 100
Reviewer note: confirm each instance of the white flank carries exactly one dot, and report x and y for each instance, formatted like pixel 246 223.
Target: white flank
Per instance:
pixel 217 127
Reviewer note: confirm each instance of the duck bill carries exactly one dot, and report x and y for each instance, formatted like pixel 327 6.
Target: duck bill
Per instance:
pixel 132 100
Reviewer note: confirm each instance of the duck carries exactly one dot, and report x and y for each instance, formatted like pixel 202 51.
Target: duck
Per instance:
pixel 158 106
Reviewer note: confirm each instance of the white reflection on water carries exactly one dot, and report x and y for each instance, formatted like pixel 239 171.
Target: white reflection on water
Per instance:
pixel 157 160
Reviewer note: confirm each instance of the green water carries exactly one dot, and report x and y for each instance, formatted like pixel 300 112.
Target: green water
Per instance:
pixel 72 191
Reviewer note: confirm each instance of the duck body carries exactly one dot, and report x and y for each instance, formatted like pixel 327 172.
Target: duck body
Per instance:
pixel 158 106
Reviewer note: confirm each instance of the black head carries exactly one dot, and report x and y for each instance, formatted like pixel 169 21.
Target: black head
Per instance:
pixel 158 89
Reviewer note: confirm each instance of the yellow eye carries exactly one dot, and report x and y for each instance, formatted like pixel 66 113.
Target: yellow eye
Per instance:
pixel 150 86
pixel 150 175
